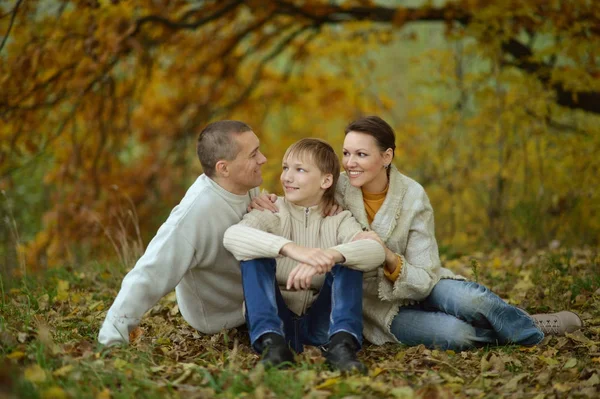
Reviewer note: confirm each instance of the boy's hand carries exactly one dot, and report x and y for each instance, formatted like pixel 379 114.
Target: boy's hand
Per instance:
pixel 301 276
pixel 264 201
pixel 322 260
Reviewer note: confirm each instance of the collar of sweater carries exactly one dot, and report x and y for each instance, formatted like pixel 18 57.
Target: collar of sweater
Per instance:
pixel 227 195
pixel 385 219
pixel 304 214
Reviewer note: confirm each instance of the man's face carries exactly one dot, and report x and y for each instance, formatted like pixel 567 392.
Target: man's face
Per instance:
pixel 245 169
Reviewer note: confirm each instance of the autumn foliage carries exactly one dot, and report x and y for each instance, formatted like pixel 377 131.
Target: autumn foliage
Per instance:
pixel 496 106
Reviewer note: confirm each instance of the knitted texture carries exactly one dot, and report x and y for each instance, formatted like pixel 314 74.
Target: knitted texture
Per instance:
pixel 262 234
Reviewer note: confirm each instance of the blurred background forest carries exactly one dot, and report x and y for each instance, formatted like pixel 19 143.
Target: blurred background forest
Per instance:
pixel 496 106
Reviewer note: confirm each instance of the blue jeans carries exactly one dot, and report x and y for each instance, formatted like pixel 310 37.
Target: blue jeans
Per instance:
pixel 461 315
pixel 338 306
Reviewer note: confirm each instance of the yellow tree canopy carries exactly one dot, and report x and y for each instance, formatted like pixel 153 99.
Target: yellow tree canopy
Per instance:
pixel 500 124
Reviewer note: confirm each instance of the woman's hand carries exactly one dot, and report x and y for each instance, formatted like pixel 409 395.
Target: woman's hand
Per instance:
pixel 332 208
pixel 264 201
pixel 301 276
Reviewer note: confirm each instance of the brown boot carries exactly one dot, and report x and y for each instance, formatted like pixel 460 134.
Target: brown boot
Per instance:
pixel 557 323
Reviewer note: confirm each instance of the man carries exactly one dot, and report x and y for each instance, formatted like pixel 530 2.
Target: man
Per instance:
pixel 187 252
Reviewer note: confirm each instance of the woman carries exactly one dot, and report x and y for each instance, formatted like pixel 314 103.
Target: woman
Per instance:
pixel 412 299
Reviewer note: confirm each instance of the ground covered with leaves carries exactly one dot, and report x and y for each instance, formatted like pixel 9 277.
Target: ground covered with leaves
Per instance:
pixel 49 324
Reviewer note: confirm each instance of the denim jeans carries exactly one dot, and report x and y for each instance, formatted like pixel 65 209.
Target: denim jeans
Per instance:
pixel 460 315
pixel 338 306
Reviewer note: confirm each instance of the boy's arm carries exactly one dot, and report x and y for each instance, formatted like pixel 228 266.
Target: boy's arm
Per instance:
pixel 246 242
pixel 364 255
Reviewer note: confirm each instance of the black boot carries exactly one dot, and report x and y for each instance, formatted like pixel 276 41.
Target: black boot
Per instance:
pixel 340 353
pixel 275 351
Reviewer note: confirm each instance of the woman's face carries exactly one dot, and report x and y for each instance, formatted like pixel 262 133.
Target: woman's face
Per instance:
pixel 364 162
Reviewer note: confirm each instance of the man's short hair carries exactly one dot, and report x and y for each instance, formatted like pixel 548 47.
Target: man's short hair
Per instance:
pixel 320 153
pixel 216 142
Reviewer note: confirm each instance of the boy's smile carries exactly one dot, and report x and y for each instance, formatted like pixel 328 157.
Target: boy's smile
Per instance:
pixel 303 183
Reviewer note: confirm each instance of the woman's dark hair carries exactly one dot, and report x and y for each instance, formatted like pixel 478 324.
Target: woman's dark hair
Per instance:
pixel 376 127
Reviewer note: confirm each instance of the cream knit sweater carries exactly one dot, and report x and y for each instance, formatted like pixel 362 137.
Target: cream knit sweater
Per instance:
pixel 187 254
pixel 405 224
pixel 262 234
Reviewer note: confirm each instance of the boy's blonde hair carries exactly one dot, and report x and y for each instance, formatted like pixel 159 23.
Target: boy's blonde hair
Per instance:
pixel 322 155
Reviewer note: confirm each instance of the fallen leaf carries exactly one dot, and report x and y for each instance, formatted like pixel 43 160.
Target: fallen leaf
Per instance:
pixel 63 371
pixel 16 355
pixel 578 336
pixel 572 362
pixel 43 302
pixel 328 383
pixel 452 379
pixel 104 394
pixel 54 393
pixel 377 371
pixel 62 290
pixel 403 393
pixel 560 387
pixel 135 334
pixel 592 381
pixel 22 337
pixel 120 364
pixel 548 360
pixel 514 382
pixel 35 374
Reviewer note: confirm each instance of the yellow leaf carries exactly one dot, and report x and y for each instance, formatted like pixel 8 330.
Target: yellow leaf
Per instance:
pixel 452 379
pixel 16 355
pixel 403 393
pixel 561 387
pixel 35 374
pixel 54 393
pixel 548 360
pixel 328 383
pixel 572 362
pixel 120 364
pixel 377 371
pixel 104 394
pixel 62 290
pixel 63 371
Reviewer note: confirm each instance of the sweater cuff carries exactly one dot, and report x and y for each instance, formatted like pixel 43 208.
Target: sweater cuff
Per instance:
pixel 393 276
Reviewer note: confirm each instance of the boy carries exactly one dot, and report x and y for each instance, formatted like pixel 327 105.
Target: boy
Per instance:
pixel 307 295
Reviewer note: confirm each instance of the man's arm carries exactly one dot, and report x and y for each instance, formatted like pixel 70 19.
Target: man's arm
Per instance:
pixel 166 260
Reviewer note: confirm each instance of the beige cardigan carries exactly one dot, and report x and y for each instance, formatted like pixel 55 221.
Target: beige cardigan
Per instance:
pixel 405 224
pixel 262 234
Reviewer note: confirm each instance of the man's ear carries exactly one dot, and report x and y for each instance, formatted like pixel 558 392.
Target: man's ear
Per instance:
pixel 327 181
pixel 222 168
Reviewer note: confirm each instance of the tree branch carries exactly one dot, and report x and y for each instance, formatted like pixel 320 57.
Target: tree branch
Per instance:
pixel 181 23
pixel 10 25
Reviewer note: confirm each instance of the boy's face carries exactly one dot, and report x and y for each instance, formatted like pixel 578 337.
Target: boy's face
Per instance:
pixel 303 183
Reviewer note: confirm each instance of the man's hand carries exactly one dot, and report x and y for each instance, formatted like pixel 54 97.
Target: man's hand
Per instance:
pixel 301 276
pixel 264 201
pixel 322 260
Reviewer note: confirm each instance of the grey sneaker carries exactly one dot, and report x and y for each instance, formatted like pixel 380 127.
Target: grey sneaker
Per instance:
pixel 557 323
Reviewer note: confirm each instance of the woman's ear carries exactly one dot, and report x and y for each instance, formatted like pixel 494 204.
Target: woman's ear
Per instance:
pixel 327 181
pixel 388 156
pixel 222 168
